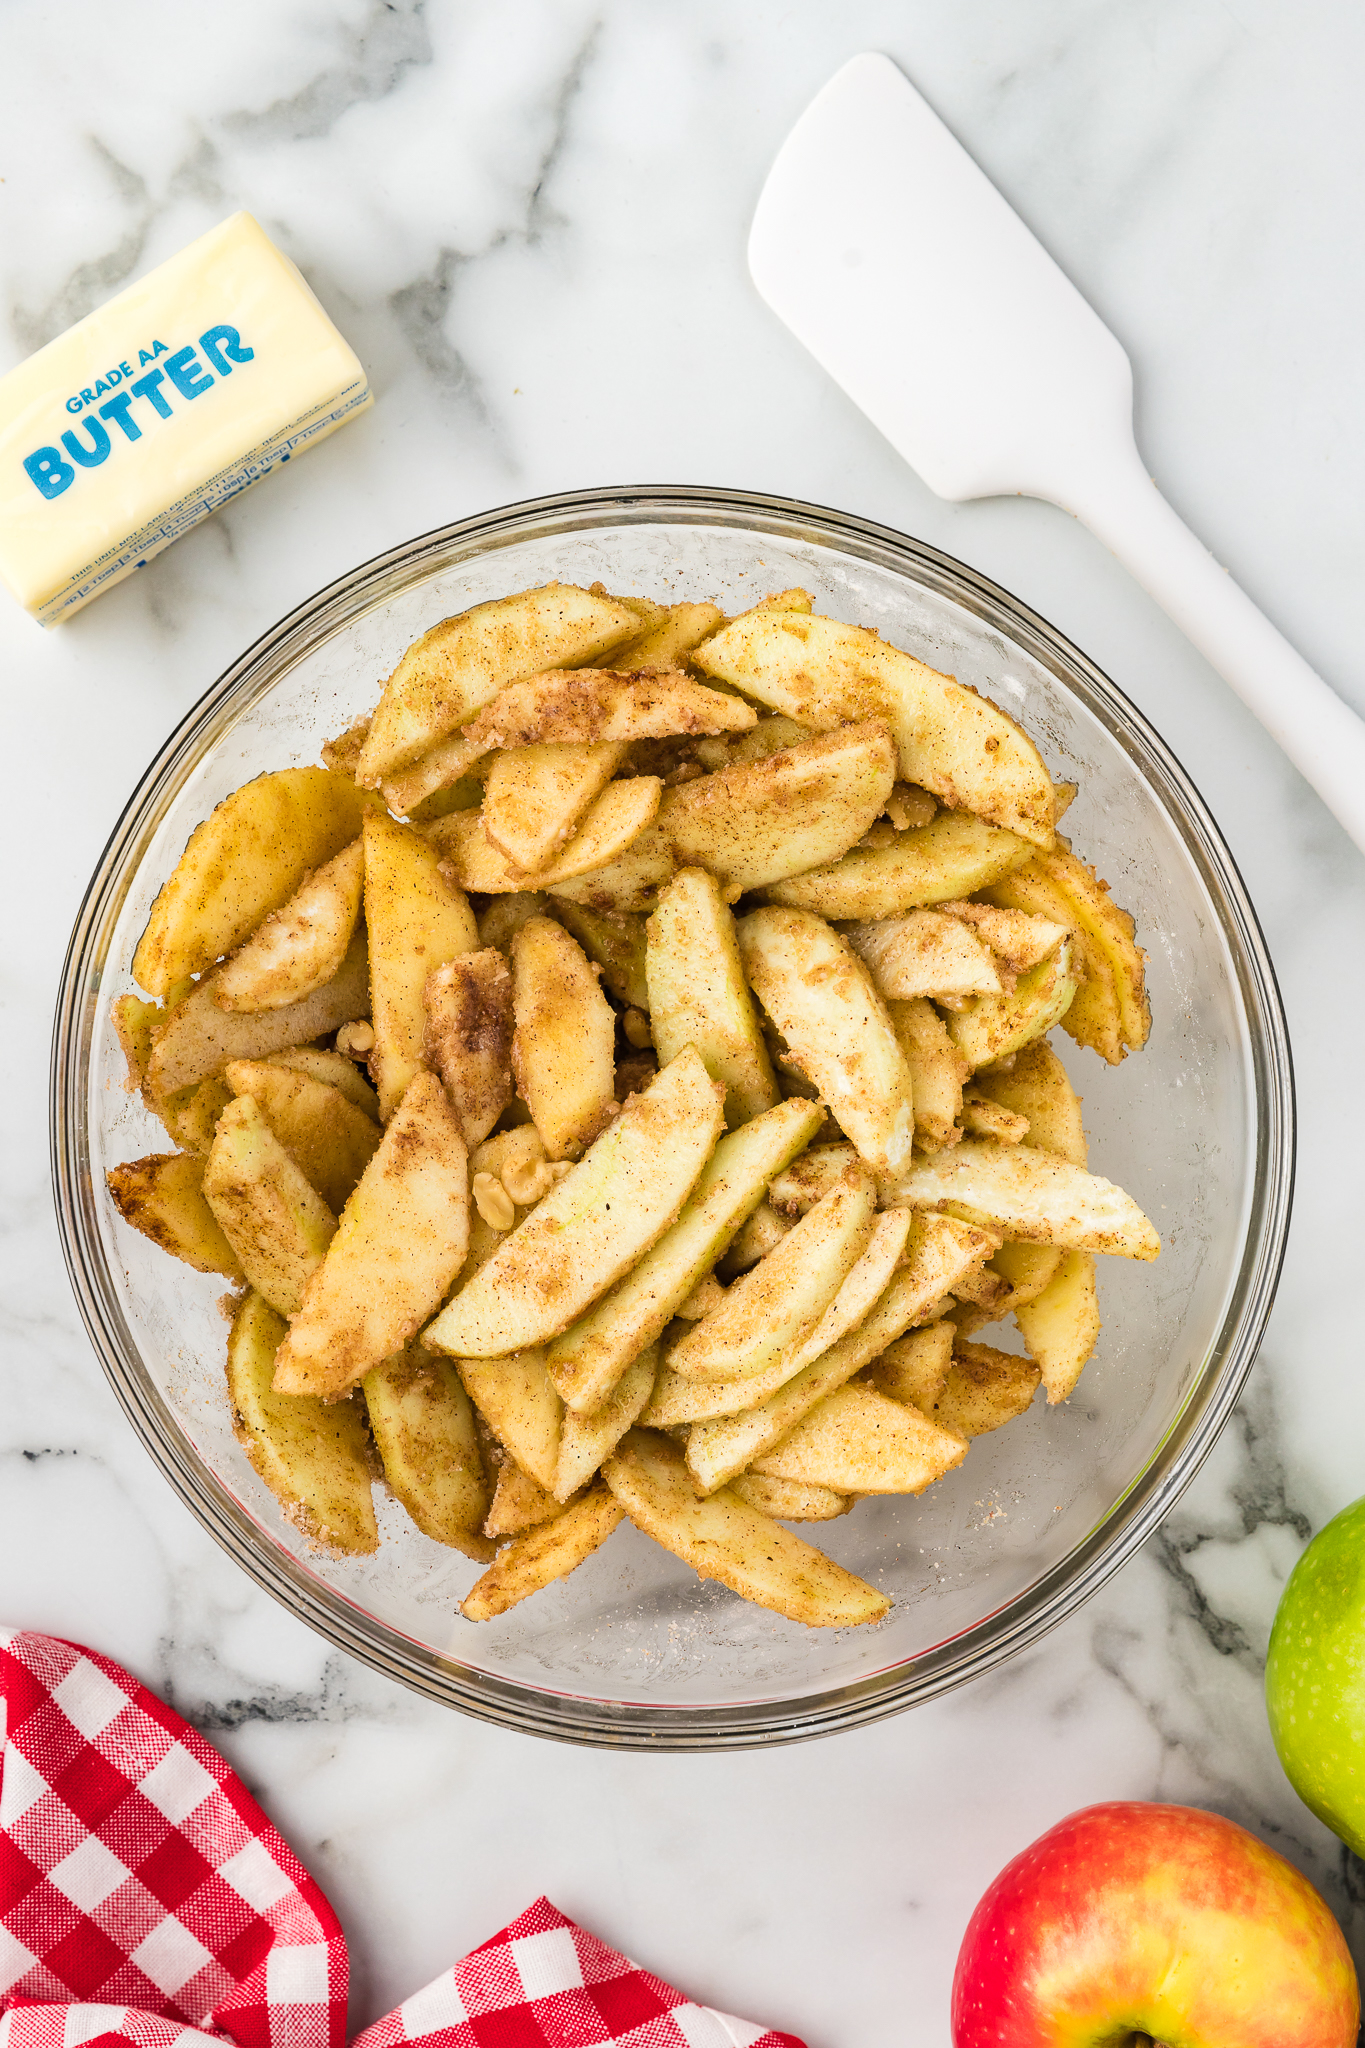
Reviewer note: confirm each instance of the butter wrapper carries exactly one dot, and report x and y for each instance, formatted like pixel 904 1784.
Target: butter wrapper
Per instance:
pixel 154 410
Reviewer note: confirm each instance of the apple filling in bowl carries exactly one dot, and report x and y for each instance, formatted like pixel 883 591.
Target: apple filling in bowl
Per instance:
pixel 618 1082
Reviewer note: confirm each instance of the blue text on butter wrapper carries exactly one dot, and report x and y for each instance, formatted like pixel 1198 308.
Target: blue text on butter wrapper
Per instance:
pixel 223 347
pixel 118 373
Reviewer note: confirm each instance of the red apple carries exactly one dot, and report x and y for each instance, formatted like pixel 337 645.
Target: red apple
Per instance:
pixel 1131 1918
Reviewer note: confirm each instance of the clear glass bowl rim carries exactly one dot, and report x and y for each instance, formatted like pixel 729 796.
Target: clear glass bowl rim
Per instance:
pixel 564 1717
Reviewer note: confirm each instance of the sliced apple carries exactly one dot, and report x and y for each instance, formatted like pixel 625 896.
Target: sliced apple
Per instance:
pixel 447 778
pixel 752 825
pixel 342 753
pixel 747 825
pixel 1061 1324
pixel 417 921
pixel 985 1289
pixel 533 1561
pixel 862 1286
pixel 984 1389
pixel 810 1176
pixel 1026 1270
pixel 677 1400
pixel 589 1359
pixel 708 1294
pixel 675 1403
pixel 924 953
pixel 982 1118
pixel 452 671
pixel 859 1441
pixel 940 1251
pixel 953 856
pixel 991 1028
pixel 1093 1017
pixel 245 860
pixel 423 1428
pixel 564 1047
pixel 792 600
pixel 614 942
pixel 937 1070
pixel 697 994
pixel 311 1454
pixel 1036 1086
pixel 611 825
pixel 163 1197
pixel 725 1539
pixel 586 1440
pixel 592 705
pixel 770 736
pixel 191 1114
pixel 519 1501
pixel 779 1301
pixel 915 1368
pixel 517 1400
pixel 468 1039
pixel 503 916
pixel 535 797
pixel 197 1039
pixel 401 1242
pixel 334 1069
pixel 590 1229
pixel 1025 1193
pixel 762 1234
pixel 950 741
pixel 822 999
pixel 786 1500
pixel 1113 932
pixel 135 1023
pixel 1018 940
pixel 270 1213
pixel 627 885
pixel 1110 1012
pixel 327 1136
pixel 300 947
pixel 665 641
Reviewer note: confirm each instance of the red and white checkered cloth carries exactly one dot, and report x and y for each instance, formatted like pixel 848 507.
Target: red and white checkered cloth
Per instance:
pixel 147 1902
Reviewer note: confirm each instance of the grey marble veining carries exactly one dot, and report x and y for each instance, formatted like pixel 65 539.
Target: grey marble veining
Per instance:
pixel 529 219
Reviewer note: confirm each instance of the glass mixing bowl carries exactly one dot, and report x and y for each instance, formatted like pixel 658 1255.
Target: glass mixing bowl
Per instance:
pixel 634 1650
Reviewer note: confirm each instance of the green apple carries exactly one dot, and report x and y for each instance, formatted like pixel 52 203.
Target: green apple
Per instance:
pixel 1315 1676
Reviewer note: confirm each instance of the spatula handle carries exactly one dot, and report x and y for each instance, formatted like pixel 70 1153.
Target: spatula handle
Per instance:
pixel 1322 736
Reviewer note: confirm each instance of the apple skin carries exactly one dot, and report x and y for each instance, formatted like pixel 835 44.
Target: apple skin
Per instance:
pixel 1315 1677
pixel 1161 1920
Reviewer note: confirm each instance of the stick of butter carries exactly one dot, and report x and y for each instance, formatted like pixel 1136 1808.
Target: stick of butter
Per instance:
pixel 147 415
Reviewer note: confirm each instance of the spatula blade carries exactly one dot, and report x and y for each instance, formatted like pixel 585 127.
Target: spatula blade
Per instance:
pixel 893 258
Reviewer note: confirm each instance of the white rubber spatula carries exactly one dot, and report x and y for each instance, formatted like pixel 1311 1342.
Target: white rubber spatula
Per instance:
pixel 895 260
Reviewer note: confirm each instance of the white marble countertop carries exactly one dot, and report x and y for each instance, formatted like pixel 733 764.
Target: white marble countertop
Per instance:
pixel 529 219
